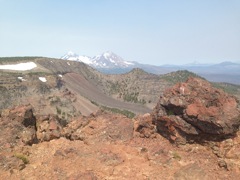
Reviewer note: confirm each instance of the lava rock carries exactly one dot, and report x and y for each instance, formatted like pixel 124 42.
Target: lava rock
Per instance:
pixel 48 127
pixel 17 126
pixel 196 111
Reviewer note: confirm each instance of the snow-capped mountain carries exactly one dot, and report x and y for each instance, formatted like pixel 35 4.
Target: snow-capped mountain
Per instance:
pixel 105 60
pixel 110 60
pixel 111 63
pixel 75 57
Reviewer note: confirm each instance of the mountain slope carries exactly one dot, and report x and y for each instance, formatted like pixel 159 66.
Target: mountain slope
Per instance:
pixel 78 84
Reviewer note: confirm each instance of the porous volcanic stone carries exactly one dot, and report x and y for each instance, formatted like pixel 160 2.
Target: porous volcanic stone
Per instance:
pixel 195 110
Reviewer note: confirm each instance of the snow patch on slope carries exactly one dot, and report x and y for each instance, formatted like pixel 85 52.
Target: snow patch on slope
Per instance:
pixel 19 67
pixel 129 63
pixel 21 78
pixel 43 79
pixel 85 59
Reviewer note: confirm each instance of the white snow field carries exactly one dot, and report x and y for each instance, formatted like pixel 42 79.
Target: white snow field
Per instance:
pixel 19 67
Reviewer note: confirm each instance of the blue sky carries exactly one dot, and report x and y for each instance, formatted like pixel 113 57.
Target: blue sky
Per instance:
pixel 148 31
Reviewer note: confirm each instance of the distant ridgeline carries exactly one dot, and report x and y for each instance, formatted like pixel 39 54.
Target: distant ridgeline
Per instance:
pixel 17 59
pixel 180 76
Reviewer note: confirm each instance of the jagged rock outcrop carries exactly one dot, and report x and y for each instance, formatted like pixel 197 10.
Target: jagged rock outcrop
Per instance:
pixel 23 114
pixel 144 128
pixel 195 110
pixel 17 126
pixel 48 127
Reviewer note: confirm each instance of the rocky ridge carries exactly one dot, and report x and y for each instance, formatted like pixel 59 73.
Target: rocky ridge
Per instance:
pixel 110 146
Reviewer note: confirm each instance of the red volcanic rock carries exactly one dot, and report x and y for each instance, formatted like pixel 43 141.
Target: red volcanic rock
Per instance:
pixel 145 128
pixel 17 126
pixel 196 110
pixel 48 127
pixel 73 130
pixel 22 114
pixel 105 126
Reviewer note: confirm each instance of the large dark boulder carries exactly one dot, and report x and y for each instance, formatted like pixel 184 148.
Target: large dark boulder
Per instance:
pixel 196 111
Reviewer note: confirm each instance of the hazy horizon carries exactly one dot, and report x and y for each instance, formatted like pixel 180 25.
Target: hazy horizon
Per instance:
pixel 150 32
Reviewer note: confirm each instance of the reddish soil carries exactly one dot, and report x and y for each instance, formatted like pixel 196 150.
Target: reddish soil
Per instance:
pixel 105 146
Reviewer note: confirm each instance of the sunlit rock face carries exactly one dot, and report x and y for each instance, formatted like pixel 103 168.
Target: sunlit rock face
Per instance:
pixel 195 110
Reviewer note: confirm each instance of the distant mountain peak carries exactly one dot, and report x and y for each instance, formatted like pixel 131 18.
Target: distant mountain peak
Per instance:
pixel 107 59
pixel 110 60
pixel 71 53
pixel 108 55
pixel 138 71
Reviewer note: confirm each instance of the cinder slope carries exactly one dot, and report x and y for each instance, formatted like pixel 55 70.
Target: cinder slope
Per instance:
pixel 80 85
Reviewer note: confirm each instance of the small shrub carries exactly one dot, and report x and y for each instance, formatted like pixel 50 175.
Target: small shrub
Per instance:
pixel 58 110
pixel 93 102
pixel 124 112
pixel 22 157
pixel 176 156
pixel 63 115
pixel 170 112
